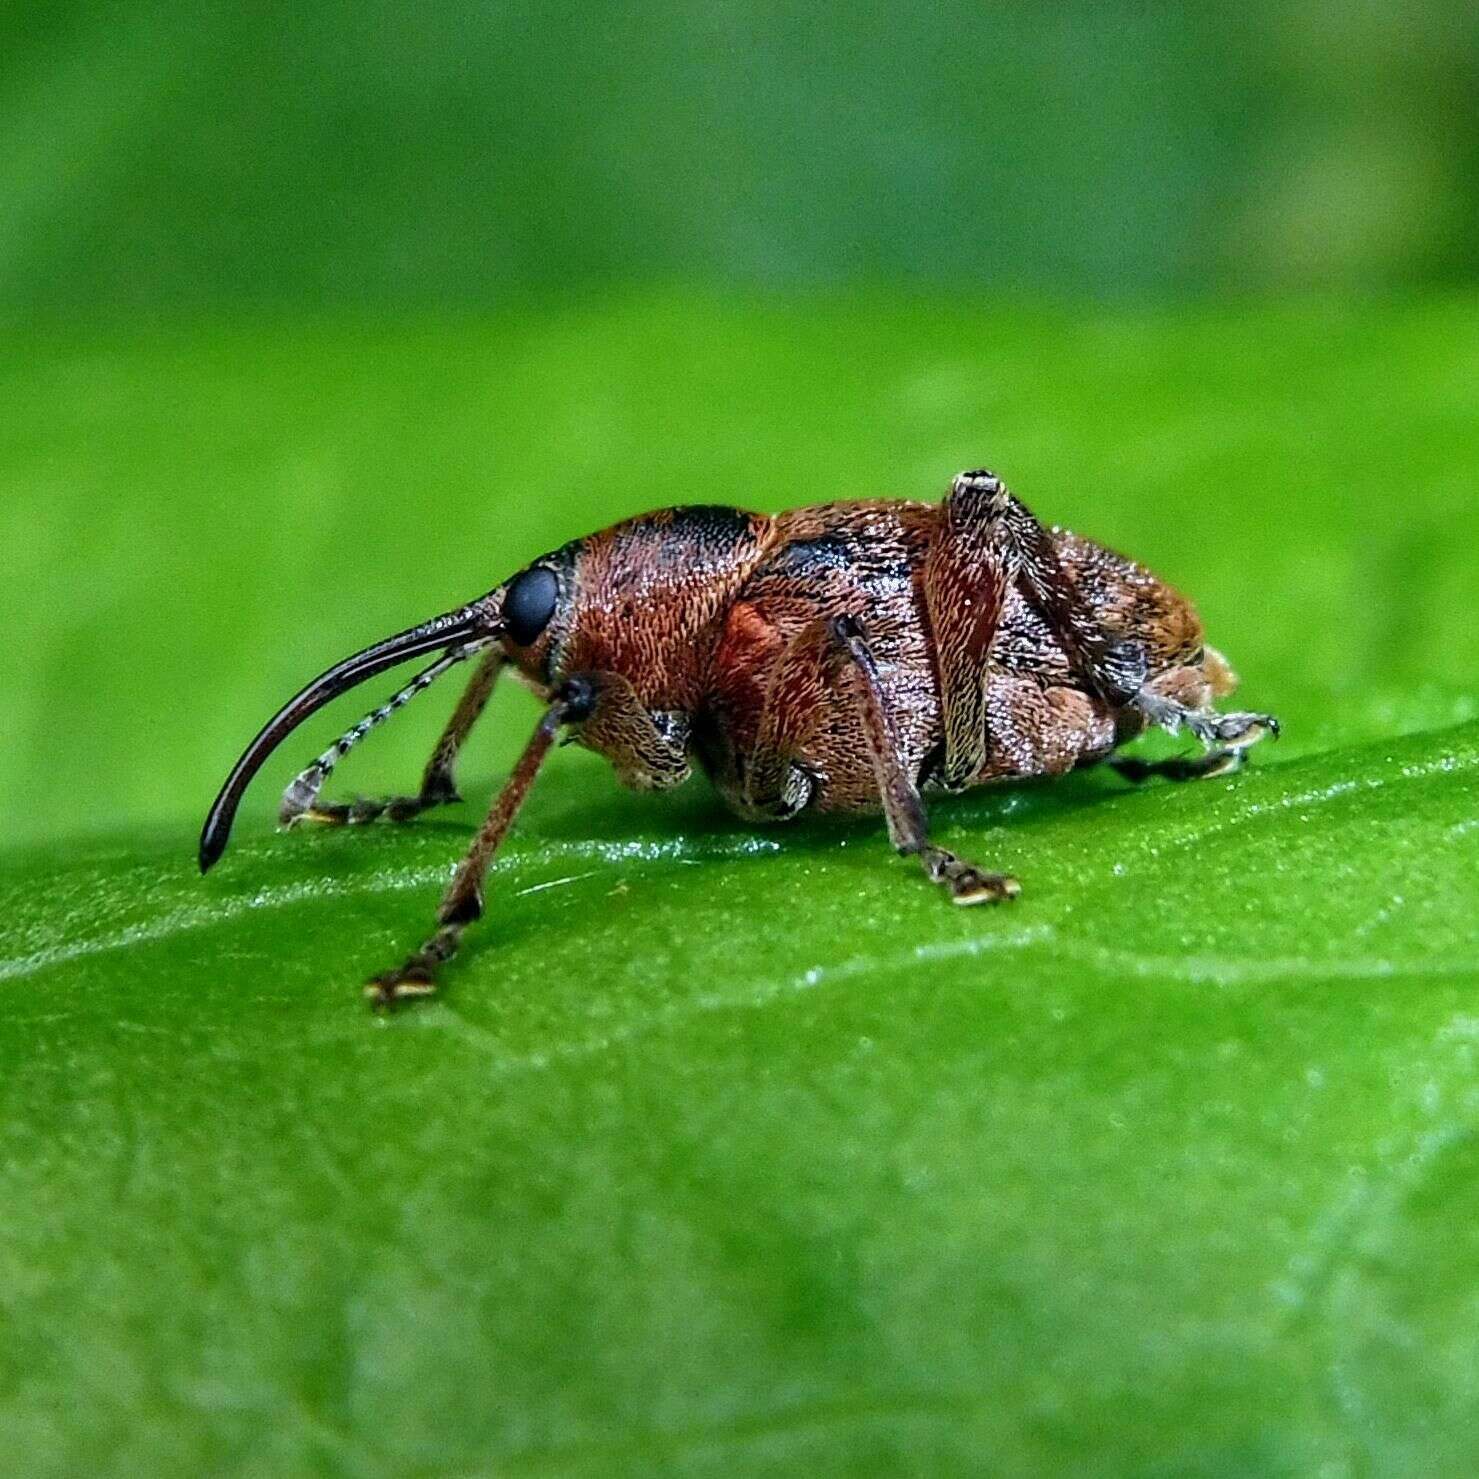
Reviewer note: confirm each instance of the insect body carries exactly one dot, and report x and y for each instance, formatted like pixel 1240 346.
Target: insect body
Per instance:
pixel 846 657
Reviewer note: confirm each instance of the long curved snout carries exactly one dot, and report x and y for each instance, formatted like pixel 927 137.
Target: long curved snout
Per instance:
pixel 469 624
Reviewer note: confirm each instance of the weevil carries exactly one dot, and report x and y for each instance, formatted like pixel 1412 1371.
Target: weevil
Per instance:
pixel 845 657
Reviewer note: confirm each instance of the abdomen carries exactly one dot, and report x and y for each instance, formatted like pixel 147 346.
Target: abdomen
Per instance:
pixel 866 560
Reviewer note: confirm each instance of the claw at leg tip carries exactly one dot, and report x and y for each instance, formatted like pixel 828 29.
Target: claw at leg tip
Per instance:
pixel 385 993
pixel 988 891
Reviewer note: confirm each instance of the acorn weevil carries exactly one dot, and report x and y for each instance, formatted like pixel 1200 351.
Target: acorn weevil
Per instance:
pixel 846 657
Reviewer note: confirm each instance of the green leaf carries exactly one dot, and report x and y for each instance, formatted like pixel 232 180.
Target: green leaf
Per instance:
pixel 734 1150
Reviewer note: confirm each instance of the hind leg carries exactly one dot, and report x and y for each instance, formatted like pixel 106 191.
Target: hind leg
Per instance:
pixel 1235 732
pixel 990 539
pixel 1181 700
pixel 987 544
pixel 1180 767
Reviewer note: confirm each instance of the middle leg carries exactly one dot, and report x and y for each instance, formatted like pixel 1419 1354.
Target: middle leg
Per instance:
pixel 773 784
pixel 903 807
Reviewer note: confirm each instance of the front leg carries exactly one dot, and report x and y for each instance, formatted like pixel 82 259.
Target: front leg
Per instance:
pixel 648 750
pixel 462 904
pixel 300 802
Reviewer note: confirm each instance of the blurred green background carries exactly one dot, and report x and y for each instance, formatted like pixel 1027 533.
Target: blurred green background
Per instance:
pixel 319 317
pixel 158 159
pixel 734 1153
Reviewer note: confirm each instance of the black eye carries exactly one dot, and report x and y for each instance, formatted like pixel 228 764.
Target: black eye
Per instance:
pixel 529 604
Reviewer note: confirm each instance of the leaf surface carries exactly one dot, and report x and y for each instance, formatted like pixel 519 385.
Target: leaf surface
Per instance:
pixel 736 1150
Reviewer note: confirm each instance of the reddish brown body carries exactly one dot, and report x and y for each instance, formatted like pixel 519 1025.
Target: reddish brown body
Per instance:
pixel 843 657
pixel 699 609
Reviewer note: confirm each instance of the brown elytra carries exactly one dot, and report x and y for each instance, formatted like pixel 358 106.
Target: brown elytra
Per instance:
pixel 845 657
